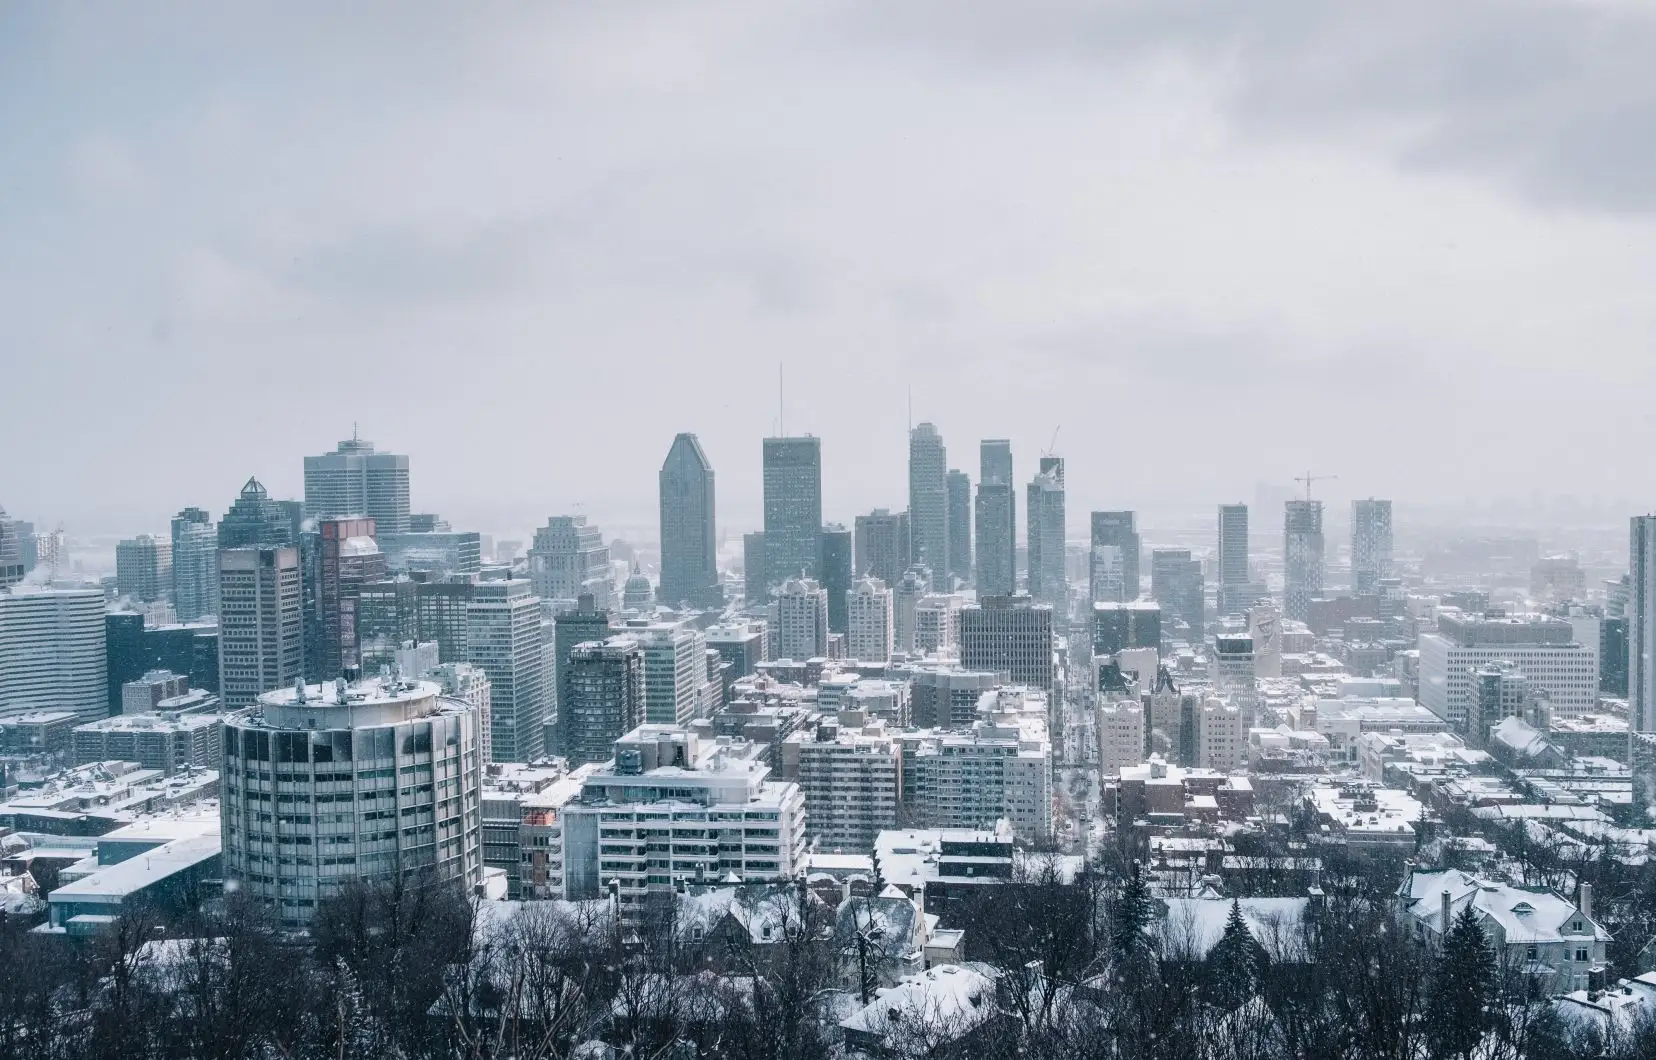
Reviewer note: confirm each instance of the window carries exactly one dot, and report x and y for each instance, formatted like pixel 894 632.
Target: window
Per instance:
pixel 1581 954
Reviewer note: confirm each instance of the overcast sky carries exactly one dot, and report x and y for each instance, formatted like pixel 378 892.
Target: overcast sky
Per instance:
pixel 1408 243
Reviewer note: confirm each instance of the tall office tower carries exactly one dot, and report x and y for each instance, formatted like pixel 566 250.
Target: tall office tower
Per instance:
pixel 11 553
pixel 503 636
pixel 870 636
pixel 960 527
pixel 1114 567
pixel 143 567
pixel 835 568
pixel 1641 623
pixel 1009 634
pixel 569 559
pixel 1044 512
pixel 402 748
pixel 603 688
pixel 581 624
pixel 53 655
pixel 882 545
pixel 1119 627
pixel 194 566
pixel 1233 544
pixel 261 622
pixel 1302 557
pixel 801 620
pixel 1176 583
pixel 689 540
pixel 905 605
pixel 28 542
pixel 755 575
pixel 929 499
pixel 1371 545
pixel 675 668
pixel 793 508
pixel 440 610
pixel 255 521
pixel 347 559
pixel 997 521
pixel 387 617
pixel 355 480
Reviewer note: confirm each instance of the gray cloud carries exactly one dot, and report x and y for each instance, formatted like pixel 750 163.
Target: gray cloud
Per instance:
pixel 528 245
pixel 1554 97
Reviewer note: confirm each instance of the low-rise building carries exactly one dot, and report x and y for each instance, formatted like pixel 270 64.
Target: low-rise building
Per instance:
pixel 170 743
pixel 1367 816
pixel 671 806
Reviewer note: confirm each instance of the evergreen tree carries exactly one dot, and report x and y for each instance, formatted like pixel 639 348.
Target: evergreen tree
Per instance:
pixel 1457 1011
pixel 1130 920
pixel 1233 966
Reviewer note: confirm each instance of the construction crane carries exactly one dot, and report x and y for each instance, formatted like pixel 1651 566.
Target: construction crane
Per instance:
pixel 1308 478
pixel 1054 443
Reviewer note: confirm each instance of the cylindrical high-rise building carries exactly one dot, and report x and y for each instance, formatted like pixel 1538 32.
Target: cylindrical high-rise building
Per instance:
pixel 327 784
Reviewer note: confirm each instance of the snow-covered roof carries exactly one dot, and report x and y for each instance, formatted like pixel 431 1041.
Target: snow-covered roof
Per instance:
pixel 952 998
pixel 1523 914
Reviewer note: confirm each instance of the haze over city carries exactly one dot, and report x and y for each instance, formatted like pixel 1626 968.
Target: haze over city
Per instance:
pixel 527 245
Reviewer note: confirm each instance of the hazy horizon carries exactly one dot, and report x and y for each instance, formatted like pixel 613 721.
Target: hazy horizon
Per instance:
pixel 527 247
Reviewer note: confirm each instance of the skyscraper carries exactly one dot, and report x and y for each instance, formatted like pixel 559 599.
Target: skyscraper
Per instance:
pixel 255 521
pixel 1371 545
pixel 960 526
pixel 11 553
pixel 568 559
pixel 883 545
pixel 1114 566
pixel 1176 583
pixel 675 668
pixel 503 637
pixel 755 587
pixel 929 499
pixel 835 571
pixel 1302 557
pixel 53 654
pixel 347 559
pixel 997 537
pixel 261 622
pixel 1008 634
pixel 870 636
pixel 1641 623
pixel 584 623
pixel 1044 512
pixel 1233 544
pixel 801 620
pixel 356 480
pixel 689 542
pixel 793 508
pixel 194 564
pixel 143 567
pixel 603 690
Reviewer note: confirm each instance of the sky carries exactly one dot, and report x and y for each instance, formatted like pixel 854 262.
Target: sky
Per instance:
pixel 1410 244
